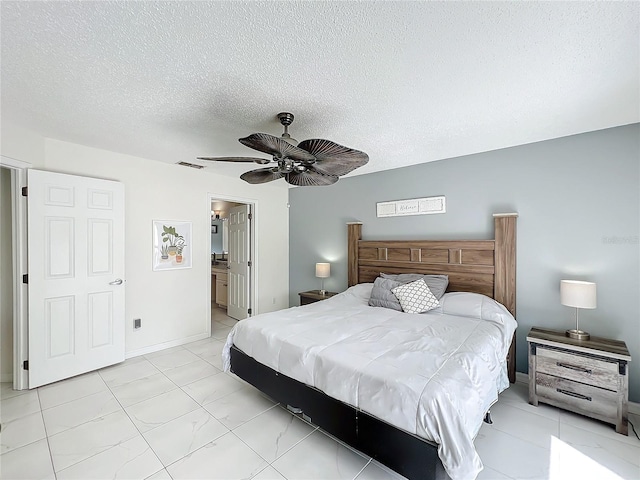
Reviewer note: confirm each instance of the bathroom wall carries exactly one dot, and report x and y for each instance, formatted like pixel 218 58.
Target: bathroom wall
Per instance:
pixel 6 278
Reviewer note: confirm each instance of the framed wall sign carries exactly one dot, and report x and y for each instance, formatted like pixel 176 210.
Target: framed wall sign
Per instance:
pixel 414 206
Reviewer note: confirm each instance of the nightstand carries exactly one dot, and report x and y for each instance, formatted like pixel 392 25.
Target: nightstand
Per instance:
pixel 313 296
pixel 589 377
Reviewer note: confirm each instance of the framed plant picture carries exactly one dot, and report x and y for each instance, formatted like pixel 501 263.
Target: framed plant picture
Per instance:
pixel 171 245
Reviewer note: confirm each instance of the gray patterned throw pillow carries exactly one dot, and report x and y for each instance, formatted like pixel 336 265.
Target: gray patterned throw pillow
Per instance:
pixel 415 297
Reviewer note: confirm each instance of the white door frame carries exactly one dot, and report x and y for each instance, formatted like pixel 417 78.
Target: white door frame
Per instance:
pixel 253 248
pixel 18 170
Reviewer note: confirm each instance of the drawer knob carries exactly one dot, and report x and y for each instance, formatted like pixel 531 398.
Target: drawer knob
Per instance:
pixel 573 367
pixel 573 394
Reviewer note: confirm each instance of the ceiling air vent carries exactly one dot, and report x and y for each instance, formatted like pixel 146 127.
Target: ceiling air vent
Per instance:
pixel 191 165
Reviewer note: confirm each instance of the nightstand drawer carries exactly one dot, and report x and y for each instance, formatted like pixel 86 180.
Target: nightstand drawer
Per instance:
pixel 580 368
pixel 577 397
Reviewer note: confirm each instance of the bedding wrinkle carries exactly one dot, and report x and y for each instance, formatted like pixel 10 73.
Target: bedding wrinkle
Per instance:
pixel 437 372
pixel 369 338
pixel 460 457
pixel 451 453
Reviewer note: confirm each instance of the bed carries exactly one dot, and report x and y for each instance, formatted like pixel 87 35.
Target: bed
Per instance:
pixel 372 417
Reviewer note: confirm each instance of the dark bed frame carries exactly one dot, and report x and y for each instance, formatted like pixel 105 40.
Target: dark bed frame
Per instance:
pixel 480 266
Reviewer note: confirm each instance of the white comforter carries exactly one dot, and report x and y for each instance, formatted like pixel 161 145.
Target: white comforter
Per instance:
pixel 434 375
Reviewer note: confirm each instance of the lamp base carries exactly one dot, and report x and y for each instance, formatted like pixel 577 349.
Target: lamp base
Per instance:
pixel 323 292
pixel 577 334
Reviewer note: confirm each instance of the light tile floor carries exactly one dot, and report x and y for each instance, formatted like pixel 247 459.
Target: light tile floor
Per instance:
pixel 175 414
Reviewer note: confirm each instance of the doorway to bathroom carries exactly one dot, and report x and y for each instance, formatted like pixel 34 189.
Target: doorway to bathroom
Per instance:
pixel 232 257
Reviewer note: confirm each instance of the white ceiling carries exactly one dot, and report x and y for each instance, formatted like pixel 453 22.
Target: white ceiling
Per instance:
pixel 406 82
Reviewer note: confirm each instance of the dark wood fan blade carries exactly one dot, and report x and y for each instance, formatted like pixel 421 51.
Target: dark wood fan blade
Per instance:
pixel 277 147
pixel 332 158
pixel 261 161
pixel 309 178
pixel 261 175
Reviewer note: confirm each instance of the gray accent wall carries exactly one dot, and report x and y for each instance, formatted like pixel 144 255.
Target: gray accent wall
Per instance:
pixel 578 200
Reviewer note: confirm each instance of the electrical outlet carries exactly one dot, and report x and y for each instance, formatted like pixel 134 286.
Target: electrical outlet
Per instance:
pixel 273 301
pixel 137 323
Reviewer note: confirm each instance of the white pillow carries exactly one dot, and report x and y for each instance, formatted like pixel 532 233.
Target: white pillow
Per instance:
pixel 415 297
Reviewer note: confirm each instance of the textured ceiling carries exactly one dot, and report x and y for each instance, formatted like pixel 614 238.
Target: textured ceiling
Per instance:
pixel 406 82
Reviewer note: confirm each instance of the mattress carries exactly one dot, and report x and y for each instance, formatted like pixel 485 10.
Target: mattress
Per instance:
pixel 433 375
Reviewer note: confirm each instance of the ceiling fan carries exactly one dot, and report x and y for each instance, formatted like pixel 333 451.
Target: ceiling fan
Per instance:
pixel 313 162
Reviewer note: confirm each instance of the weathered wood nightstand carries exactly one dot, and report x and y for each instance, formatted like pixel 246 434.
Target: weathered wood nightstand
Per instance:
pixel 589 377
pixel 313 296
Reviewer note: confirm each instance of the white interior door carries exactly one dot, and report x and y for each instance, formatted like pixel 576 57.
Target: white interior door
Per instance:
pixel 238 263
pixel 76 275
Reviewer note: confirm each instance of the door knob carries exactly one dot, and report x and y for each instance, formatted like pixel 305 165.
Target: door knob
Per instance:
pixel 117 281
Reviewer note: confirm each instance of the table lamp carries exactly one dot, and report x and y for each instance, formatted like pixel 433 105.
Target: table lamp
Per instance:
pixel 574 293
pixel 322 272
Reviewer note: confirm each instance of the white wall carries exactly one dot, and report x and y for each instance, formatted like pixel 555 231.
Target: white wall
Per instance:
pixel 173 305
pixel 21 143
pixel 6 279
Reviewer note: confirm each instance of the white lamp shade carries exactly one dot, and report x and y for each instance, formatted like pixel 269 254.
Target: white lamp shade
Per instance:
pixel 323 270
pixel 574 293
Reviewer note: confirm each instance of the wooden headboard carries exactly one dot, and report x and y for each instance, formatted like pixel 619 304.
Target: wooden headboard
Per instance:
pixel 479 266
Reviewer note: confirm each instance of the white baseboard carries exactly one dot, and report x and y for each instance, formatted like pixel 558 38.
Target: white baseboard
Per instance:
pixel 524 378
pixel 162 346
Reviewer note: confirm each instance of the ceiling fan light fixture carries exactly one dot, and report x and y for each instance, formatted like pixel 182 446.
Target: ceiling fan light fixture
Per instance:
pixel 315 162
pixel 285 165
